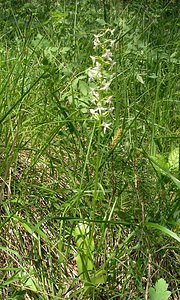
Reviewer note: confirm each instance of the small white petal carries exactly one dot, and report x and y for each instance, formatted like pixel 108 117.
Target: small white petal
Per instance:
pixel 109 100
pixel 100 109
pixel 105 86
pixel 107 55
pixel 106 126
pixel 92 111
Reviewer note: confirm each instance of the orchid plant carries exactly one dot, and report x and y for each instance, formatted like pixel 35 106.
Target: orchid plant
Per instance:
pixel 101 76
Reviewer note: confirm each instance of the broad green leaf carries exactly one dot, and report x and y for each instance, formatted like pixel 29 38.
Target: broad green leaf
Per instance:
pixel 99 277
pixel 82 236
pixel 83 87
pixel 30 284
pixel 160 160
pixel 85 248
pixel 84 265
pixel 76 81
pixel 173 159
pixel 165 171
pixel 28 279
pixel 159 292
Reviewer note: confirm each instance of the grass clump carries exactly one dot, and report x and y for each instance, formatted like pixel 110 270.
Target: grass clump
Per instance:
pixel 89 150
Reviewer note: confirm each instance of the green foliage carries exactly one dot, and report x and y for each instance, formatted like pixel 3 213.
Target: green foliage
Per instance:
pixel 173 160
pixel 17 296
pixel 161 166
pixel 160 160
pixel 172 164
pixel 85 257
pixel 159 292
pixel 85 244
pixel 89 156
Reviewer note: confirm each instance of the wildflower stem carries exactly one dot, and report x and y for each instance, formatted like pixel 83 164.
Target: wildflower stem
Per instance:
pixel 97 164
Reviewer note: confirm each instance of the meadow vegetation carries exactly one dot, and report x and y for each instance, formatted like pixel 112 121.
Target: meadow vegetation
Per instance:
pixel 89 150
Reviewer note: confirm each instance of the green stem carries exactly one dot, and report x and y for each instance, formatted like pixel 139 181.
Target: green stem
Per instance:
pixel 97 164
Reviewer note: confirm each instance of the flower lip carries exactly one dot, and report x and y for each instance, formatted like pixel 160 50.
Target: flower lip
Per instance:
pixel 106 126
pixel 109 99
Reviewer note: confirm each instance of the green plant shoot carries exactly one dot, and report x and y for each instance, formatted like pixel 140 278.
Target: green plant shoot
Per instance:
pixel 85 248
pixel 85 257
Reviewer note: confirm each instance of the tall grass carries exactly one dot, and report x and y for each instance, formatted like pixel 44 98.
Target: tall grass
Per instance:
pixel 60 167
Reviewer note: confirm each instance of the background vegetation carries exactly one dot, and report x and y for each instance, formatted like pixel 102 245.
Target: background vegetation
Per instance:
pixel 89 189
